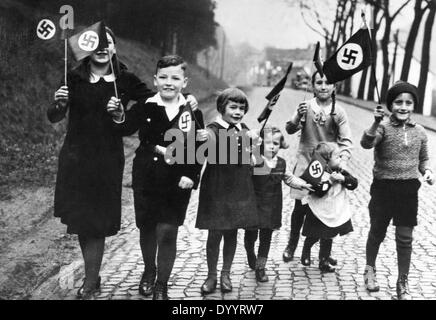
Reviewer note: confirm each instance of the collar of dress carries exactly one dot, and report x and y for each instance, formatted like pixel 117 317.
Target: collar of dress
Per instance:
pixel 317 109
pixel 94 78
pixel 225 124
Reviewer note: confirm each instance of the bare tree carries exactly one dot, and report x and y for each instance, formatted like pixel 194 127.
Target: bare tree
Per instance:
pixel 425 58
pixel 421 6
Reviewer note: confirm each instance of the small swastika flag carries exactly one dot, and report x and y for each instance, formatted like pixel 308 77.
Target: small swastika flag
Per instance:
pixel 89 40
pixel 352 57
pixel 315 170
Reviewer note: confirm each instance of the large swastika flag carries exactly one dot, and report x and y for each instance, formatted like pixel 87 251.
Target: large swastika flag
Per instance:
pixel 89 40
pixel 352 57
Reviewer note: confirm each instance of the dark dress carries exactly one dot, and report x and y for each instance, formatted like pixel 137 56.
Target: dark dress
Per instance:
pixel 315 228
pixel 227 200
pixel 157 196
pixel 91 161
pixel 269 195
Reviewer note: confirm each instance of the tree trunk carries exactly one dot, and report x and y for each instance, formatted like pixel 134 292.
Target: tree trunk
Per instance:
pixel 425 59
pixel 411 39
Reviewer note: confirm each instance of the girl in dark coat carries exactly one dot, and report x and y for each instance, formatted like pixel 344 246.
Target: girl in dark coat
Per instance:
pixel 227 201
pixel 268 174
pixel 91 161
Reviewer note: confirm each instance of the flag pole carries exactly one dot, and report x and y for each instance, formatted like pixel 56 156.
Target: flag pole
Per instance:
pixel 65 61
pixel 370 48
pixel 115 79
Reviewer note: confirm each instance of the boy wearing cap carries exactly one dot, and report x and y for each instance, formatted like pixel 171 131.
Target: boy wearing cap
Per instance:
pixel 400 155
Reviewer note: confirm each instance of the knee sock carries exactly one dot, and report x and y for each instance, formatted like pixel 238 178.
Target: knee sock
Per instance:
pixel 148 243
pixel 265 236
pixel 167 249
pixel 403 239
pixel 325 248
pixel 297 220
pixel 212 251
pixel 229 249
pixel 250 238
pixel 308 243
pixel 92 251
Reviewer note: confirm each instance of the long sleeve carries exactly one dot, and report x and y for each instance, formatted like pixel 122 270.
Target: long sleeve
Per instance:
pixel 133 119
pixel 350 182
pixel 55 113
pixel 293 125
pixel 344 135
pixel 424 156
pixel 369 141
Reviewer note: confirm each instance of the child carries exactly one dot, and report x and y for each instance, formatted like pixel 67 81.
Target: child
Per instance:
pixel 161 190
pixel 227 200
pixel 320 119
pixel 328 211
pixel 91 161
pixel 268 189
pixel 400 155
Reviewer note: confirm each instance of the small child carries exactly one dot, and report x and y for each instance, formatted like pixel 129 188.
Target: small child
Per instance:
pixel 328 211
pixel 267 179
pixel 161 189
pixel 400 155
pixel 227 200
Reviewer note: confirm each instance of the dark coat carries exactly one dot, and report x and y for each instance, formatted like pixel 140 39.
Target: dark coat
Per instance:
pixel 227 200
pixel 269 195
pixel 91 161
pixel 155 182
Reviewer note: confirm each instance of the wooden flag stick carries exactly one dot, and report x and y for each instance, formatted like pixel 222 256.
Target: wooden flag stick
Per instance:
pixel 115 79
pixel 65 61
pixel 370 48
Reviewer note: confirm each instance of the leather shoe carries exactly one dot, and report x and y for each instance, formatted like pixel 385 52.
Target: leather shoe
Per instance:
pixel 288 254
pixel 325 266
pixel 332 261
pixel 80 291
pixel 146 285
pixel 261 275
pixel 209 286
pixel 226 283
pixel 160 292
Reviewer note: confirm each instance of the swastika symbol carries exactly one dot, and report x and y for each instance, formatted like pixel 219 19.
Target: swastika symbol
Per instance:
pixel 88 41
pixel 349 56
pixel 45 29
pixel 316 169
pixel 185 122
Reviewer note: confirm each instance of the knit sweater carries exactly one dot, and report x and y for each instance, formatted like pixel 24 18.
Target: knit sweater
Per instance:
pixel 400 150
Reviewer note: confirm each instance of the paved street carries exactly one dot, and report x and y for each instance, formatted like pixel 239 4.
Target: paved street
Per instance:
pixel 122 267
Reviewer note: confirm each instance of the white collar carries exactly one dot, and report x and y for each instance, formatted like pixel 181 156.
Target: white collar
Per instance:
pixel 272 163
pixel 317 108
pixel 94 78
pixel 158 100
pixel 225 124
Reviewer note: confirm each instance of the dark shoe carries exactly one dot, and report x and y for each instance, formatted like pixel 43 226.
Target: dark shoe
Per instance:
pixel 325 266
pixel 332 261
pixel 146 284
pixel 288 254
pixel 261 275
pixel 403 292
pixel 209 286
pixel 80 291
pixel 89 294
pixel 160 292
pixel 305 258
pixel 226 283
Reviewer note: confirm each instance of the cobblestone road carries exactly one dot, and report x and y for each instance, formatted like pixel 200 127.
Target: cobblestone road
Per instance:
pixel 122 267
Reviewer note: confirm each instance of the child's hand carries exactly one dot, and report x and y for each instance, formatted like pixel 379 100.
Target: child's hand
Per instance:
pixel 429 177
pixel 254 136
pixel 186 183
pixel 115 109
pixel 192 101
pixel 202 135
pixel 302 109
pixel 61 97
pixel 337 177
pixel 378 114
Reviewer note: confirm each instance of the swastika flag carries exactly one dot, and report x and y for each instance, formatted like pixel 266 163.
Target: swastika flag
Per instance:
pixel 90 39
pixel 274 95
pixel 314 170
pixel 352 57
